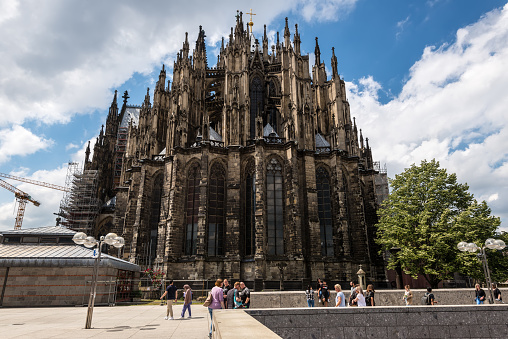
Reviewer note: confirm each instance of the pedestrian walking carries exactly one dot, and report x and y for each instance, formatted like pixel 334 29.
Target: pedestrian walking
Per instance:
pixel 352 297
pixel 340 299
pixel 360 298
pixel 369 296
pixel 187 300
pixel 217 302
pixel 309 293
pixel 408 296
pixel 171 293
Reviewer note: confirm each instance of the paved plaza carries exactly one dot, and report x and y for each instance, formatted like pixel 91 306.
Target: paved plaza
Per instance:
pixel 108 322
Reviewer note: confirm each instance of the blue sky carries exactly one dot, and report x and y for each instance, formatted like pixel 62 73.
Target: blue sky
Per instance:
pixel 426 79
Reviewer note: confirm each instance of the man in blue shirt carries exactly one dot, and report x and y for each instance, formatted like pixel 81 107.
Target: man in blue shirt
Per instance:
pixel 171 292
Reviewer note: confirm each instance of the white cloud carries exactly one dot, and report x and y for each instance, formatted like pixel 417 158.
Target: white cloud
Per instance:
pixel 401 25
pixel 452 108
pixel 17 140
pixel 71 146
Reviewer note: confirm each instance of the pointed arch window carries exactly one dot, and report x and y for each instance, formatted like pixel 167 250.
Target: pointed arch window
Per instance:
pixel 275 208
pixel 216 210
pixel 324 211
pixel 155 212
pixel 250 210
pixel 256 103
pixel 192 210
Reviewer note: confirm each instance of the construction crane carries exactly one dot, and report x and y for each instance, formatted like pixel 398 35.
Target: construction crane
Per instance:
pixel 22 198
pixel 35 182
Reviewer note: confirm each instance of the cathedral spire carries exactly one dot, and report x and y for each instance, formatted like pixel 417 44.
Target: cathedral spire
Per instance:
pixel 334 63
pixel 265 45
pixel 361 138
pixel 287 35
pixel 317 53
pixel 296 40
pixel 185 48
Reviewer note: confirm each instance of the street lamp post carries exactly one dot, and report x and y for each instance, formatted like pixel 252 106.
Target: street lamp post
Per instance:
pixel 489 243
pixel 81 238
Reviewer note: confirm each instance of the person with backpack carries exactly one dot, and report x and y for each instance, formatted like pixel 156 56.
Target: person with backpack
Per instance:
pixel 428 298
pixel 369 296
pixel 325 294
pixel 480 295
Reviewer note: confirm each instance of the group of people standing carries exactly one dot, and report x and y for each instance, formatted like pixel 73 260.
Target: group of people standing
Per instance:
pixel 358 297
pixel 225 296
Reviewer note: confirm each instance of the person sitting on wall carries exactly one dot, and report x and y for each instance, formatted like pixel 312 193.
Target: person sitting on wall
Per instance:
pixel 480 295
pixel 497 293
pixel 325 294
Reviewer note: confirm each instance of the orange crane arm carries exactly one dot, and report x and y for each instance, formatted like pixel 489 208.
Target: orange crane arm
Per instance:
pixel 35 182
pixel 22 198
pixel 19 194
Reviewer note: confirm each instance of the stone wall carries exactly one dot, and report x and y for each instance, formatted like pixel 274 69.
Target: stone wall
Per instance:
pixel 55 286
pixel 459 296
pixel 485 321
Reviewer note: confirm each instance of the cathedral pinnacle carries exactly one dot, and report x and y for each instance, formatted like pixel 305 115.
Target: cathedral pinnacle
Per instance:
pixel 317 53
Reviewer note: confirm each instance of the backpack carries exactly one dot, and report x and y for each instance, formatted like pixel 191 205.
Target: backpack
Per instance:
pixel 426 299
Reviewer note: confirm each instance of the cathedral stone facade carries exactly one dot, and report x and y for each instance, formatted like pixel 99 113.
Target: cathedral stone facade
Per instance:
pixel 252 169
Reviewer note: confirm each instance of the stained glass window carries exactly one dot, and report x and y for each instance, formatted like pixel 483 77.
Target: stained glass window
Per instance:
pixel 216 210
pixel 192 210
pixel 325 211
pixel 275 209
pixel 256 102
pixel 250 210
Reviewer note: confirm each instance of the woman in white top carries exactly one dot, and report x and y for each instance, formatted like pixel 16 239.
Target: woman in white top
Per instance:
pixel 360 299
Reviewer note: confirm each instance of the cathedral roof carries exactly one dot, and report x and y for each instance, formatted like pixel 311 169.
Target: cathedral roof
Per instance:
pixel 268 131
pixel 131 114
pixel 214 135
pixel 321 141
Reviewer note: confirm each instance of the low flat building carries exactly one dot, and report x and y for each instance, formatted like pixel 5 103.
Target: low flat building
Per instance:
pixel 44 267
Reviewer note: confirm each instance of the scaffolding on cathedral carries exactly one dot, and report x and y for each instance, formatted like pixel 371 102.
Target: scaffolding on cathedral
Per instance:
pixel 82 206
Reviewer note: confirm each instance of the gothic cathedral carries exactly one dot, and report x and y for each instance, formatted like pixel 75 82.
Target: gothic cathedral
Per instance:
pixel 250 169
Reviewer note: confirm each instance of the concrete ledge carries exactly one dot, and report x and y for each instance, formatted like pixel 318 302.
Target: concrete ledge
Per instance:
pixel 238 324
pixel 485 321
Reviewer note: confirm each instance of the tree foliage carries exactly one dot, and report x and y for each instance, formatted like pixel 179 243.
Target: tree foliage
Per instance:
pixel 426 215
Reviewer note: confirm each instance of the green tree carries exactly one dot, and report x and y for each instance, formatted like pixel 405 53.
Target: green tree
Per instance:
pixel 426 215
